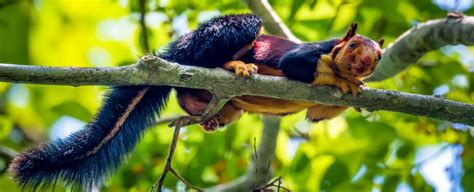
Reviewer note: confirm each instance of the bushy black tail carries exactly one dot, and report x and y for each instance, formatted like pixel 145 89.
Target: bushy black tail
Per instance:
pixel 89 156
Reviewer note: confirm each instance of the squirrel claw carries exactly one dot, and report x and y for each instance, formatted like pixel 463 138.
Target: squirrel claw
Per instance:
pixel 241 69
pixel 355 89
pixel 210 125
pixel 246 70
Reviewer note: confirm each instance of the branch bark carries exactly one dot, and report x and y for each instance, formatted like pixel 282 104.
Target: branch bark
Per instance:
pixel 422 38
pixel 271 21
pixel 155 71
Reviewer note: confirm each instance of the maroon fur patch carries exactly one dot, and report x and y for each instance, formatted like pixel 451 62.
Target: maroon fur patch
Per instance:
pixel 269 49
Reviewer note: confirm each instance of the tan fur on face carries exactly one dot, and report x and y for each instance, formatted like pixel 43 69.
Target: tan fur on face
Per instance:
pixel 350 61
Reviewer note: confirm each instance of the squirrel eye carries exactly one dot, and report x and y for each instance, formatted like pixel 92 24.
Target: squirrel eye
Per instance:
pixel 352 45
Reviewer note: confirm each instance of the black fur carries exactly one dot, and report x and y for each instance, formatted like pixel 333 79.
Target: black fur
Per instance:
pixel 306 57
pixel 65 160
pixel 214 42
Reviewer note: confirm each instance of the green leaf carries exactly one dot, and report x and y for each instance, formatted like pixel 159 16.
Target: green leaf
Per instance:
pixel 391 183
pixel 404 151
pixel 467 179
pixel 379 132
pixel 313 4
pixel 295 6
pixel 6 126
pixel 300 162
pixel 334 176
pixel 73 109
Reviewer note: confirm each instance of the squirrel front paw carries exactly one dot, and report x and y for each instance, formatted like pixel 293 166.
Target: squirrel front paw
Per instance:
pixel 241 69
pixel 344 85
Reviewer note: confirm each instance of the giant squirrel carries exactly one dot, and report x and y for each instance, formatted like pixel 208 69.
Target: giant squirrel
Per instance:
pixel 233 42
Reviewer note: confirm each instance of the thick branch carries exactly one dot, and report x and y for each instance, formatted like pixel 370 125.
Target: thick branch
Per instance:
pixel 272 21
pixel 74 76
pixel 155 71
pixel 424 37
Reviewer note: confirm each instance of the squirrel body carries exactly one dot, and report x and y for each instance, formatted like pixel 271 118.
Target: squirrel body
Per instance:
pixel 343 62
pixel 88 157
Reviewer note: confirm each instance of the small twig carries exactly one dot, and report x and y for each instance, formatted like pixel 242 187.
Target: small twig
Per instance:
pixel 255 147
pixel 168 120
pixel 169 158
pixel 7 154
pixel 183 180
pixel 272 184
pixel 212 108
pixel 256 157
pixel 279 179
pixel 279 185
pixel 299 134
pixel 168 166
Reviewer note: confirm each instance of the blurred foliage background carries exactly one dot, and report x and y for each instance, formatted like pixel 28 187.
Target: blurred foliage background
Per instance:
pixel 384 151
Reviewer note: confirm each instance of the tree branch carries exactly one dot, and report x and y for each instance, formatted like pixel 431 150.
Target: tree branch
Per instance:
pixel 256 174
pixel 74 76
pixel 271 20
pixel 155 71
pixel 422 38
pixel 7 154
pixel 259 170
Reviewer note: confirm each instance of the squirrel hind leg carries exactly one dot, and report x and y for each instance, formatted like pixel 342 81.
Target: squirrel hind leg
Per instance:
pixel 194 101
pixel 318 113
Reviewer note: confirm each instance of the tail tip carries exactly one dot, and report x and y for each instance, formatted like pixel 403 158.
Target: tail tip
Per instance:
pixel 22 168
pixel 19 163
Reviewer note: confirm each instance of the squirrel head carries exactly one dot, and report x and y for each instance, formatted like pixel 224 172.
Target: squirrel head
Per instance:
pixel 355 55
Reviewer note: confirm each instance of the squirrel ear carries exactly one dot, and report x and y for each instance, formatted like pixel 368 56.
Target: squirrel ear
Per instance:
pixel 351 33
pixel 380 41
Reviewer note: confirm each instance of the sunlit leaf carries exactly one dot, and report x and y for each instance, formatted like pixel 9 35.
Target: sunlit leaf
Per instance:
pixel 334 176
pixel 390 183
pixel 404 151
pixel 300 162
pixel 295 6
pixel 6 126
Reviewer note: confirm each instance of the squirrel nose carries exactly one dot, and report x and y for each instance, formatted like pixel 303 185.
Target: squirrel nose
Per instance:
pixel 366 60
